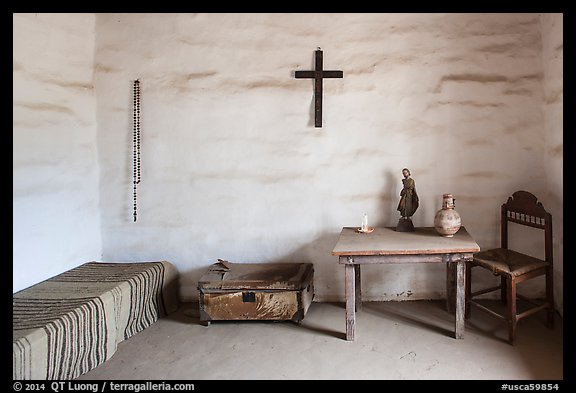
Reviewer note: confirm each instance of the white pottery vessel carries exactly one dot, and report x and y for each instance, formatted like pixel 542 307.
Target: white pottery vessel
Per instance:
pixel 447 220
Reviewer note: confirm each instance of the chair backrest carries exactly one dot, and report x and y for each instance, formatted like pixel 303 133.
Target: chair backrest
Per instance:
pixel 523 208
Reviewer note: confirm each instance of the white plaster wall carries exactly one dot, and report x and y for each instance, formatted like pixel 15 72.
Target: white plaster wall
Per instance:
pixel 56 221
pixel 552 57
pixel 233 168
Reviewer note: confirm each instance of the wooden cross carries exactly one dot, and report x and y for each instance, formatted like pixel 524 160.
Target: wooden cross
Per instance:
pixel 318 74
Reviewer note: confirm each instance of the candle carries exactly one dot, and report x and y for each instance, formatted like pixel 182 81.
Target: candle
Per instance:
pixel 365 222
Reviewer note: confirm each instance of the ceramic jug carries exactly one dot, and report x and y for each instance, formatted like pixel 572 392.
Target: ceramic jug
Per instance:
pixel 447 220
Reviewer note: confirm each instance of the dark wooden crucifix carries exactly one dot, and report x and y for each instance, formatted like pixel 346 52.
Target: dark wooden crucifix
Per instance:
pixel 318 74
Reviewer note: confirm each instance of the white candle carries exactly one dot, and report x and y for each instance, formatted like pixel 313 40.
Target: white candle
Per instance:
pixel 365 222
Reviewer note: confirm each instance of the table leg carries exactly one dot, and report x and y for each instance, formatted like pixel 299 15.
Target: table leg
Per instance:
pixel 350 281
pixel 460 297
pixel 456 293
pixel 358 287
pixel 468 285
pixel 450 286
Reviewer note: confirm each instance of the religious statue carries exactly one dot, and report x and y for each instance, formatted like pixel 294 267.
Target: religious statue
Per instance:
pixel 408 203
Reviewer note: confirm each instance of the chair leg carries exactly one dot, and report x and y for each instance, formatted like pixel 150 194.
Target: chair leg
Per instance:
pixel 503 296
pixel 511 292
pixel 550 296
pixel 468 289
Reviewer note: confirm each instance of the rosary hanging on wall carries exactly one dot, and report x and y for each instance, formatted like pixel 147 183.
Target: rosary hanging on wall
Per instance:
pixel 136 146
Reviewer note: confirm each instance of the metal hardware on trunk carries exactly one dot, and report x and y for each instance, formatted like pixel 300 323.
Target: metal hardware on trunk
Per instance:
pixel 249 297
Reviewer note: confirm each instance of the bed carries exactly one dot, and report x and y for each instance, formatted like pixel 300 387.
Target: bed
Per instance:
pixel 67 325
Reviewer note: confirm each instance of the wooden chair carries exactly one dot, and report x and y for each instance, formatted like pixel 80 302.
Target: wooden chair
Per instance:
pixel 514 267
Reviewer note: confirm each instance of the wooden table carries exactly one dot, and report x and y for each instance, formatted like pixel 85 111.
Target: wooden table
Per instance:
pixel 385 245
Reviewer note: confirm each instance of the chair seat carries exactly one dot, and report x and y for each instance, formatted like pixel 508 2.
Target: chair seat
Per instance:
pixel 509 262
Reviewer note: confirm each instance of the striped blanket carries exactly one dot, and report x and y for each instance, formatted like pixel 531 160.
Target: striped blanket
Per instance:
pixel 67 325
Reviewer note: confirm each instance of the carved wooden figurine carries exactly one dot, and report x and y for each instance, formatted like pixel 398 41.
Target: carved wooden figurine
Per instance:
pixel 408 203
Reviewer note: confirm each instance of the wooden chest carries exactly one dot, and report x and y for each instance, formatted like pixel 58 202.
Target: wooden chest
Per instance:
pixel 256 291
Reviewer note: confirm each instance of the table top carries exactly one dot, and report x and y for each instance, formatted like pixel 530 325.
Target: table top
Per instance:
pixel 386 241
